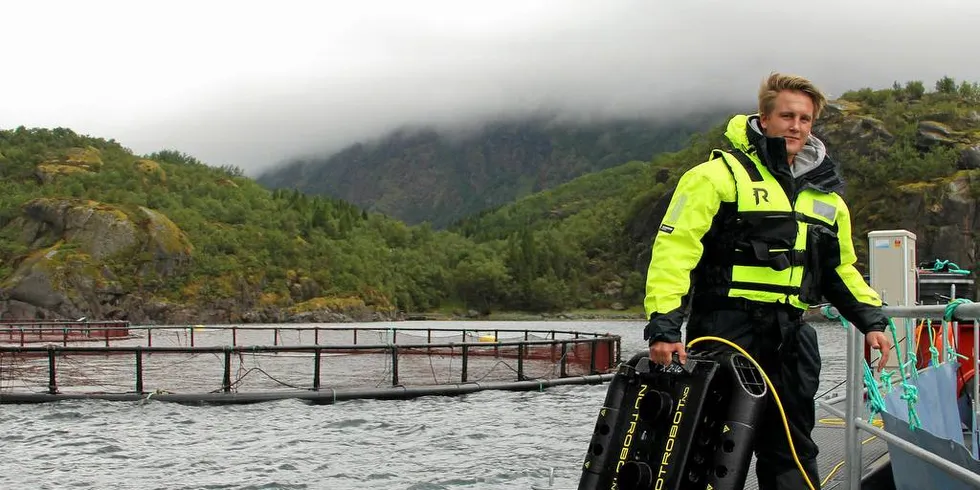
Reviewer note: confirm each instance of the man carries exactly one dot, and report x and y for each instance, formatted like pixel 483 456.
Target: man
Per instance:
pixel 751 238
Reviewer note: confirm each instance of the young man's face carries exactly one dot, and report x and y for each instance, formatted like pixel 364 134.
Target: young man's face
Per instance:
pixel 791 118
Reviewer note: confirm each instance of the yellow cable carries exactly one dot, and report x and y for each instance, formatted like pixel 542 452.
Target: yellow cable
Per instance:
pixel 837 467
pixel 839 421
pixel 779 403
pixel 832 472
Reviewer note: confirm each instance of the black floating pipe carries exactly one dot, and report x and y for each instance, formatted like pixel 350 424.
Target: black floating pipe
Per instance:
pixel 320 397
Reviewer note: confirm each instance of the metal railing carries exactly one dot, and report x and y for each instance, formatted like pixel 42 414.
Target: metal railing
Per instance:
pixel 26 332
pixel 852 415
pixel 23 333
pixel 593 353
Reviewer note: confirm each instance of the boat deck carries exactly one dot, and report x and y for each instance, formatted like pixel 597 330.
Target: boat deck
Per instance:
pixel 829 436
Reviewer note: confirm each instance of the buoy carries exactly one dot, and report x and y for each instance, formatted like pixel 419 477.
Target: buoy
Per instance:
pixel 488 338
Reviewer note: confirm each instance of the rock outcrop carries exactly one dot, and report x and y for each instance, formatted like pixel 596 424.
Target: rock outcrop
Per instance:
pixel 945 215
pixel 73 160
pixel 81 249
pixel 76 247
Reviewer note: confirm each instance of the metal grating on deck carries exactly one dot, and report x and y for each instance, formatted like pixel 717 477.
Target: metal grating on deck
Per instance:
pixel 830 438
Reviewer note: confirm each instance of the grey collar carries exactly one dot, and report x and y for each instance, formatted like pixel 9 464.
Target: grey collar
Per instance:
pixel 806 160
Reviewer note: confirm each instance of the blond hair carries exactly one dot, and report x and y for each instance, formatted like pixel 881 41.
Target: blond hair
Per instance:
pixel 777 82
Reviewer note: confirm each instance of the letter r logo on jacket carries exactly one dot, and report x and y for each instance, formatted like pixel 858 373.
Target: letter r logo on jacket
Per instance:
pixel 760 193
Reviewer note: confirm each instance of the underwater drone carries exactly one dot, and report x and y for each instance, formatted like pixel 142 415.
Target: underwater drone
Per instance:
pixel 676 427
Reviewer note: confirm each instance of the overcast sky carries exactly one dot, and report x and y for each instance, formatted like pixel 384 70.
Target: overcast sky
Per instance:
pixel 253 84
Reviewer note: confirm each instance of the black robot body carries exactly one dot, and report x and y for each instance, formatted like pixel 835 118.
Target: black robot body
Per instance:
pixel 676 427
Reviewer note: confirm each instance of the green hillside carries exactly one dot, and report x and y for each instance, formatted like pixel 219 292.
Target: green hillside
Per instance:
pixel 247 252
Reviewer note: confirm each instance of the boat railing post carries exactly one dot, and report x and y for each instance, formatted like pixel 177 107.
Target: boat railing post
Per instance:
pixel 852 455
pixel 956 324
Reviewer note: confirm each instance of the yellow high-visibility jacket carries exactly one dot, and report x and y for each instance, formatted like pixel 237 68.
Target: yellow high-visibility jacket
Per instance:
pixel 745 225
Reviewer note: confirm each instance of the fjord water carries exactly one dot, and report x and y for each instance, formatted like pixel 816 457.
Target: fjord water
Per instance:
pixel 486 440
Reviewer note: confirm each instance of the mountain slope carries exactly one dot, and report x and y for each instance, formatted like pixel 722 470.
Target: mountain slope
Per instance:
pixel 425 175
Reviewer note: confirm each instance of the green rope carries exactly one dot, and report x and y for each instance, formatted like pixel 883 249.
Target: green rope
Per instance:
pixel 910 392
pixel 827 312
pixel 886 380
pixel 948 317
pixel 939 265
pixel 876 403
pixel 933 351
pixel 911 397
pixel 952 306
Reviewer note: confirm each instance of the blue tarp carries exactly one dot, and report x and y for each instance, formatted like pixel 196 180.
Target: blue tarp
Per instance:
pixel 941 432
